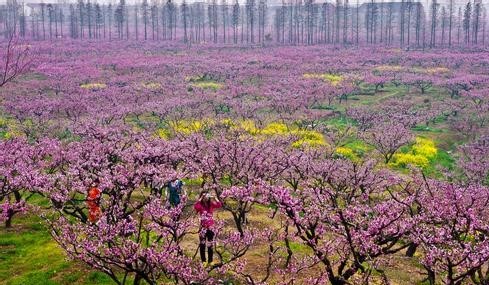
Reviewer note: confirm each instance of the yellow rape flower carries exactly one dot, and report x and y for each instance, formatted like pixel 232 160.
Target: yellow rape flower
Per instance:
pixel 425 147
pixel 420 154
pixel 162 133
pixel 208 85
pixel 405 159
pixel 228 122
pixel 186 127
pixel 333 79
pixel 437 70
pixel 345 152
pixel 389 68
pixel 93 86
pixel 275 129
pixel 249 127
pixel 309 138
pixel 151 85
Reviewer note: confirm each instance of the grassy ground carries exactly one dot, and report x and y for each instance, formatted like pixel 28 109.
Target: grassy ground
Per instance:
pixel 28 255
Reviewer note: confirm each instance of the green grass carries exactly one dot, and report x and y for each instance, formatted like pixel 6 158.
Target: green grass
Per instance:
pixel 339 122
pixel 142 121
pixel 331 107
pixel 359 147
pixel 299 247
pixel 28 255
pixel 208 85
pixel 206 81
pixel 424 128
pixel 442 160
pixel 368 97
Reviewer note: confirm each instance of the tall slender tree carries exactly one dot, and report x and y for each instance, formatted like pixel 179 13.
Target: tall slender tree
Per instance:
pixel 185 19
pixel 235 20
pixel 225 17
pixel 450 22
pixel 434 21
pixel 144 14
pixel 476 21
pixel 466 21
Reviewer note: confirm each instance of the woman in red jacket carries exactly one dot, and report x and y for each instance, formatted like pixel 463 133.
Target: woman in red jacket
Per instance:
pixel 93 202
pixel 205 206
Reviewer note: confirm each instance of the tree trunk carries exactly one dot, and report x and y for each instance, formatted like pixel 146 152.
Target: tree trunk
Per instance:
pixel 411 250
pixel 137 279
pixel 8 222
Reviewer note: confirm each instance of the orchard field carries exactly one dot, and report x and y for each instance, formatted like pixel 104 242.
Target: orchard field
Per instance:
pixel 334 165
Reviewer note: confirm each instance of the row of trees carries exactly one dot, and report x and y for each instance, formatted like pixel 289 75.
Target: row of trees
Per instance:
pixel 407 23
pixel 349 217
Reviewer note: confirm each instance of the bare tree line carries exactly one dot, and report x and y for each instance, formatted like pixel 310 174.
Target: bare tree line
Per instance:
pixel 407 23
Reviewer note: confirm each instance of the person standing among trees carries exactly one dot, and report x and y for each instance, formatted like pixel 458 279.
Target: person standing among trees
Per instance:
pixel 175 191
pixel 93 202
pixel 205 206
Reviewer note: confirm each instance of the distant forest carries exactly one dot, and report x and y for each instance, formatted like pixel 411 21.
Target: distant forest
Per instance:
pixel 406 24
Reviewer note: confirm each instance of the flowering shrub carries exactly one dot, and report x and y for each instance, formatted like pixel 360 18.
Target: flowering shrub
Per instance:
pixel 473 161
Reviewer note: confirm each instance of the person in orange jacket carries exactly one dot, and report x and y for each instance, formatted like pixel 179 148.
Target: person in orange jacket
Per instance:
pixel 93 202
